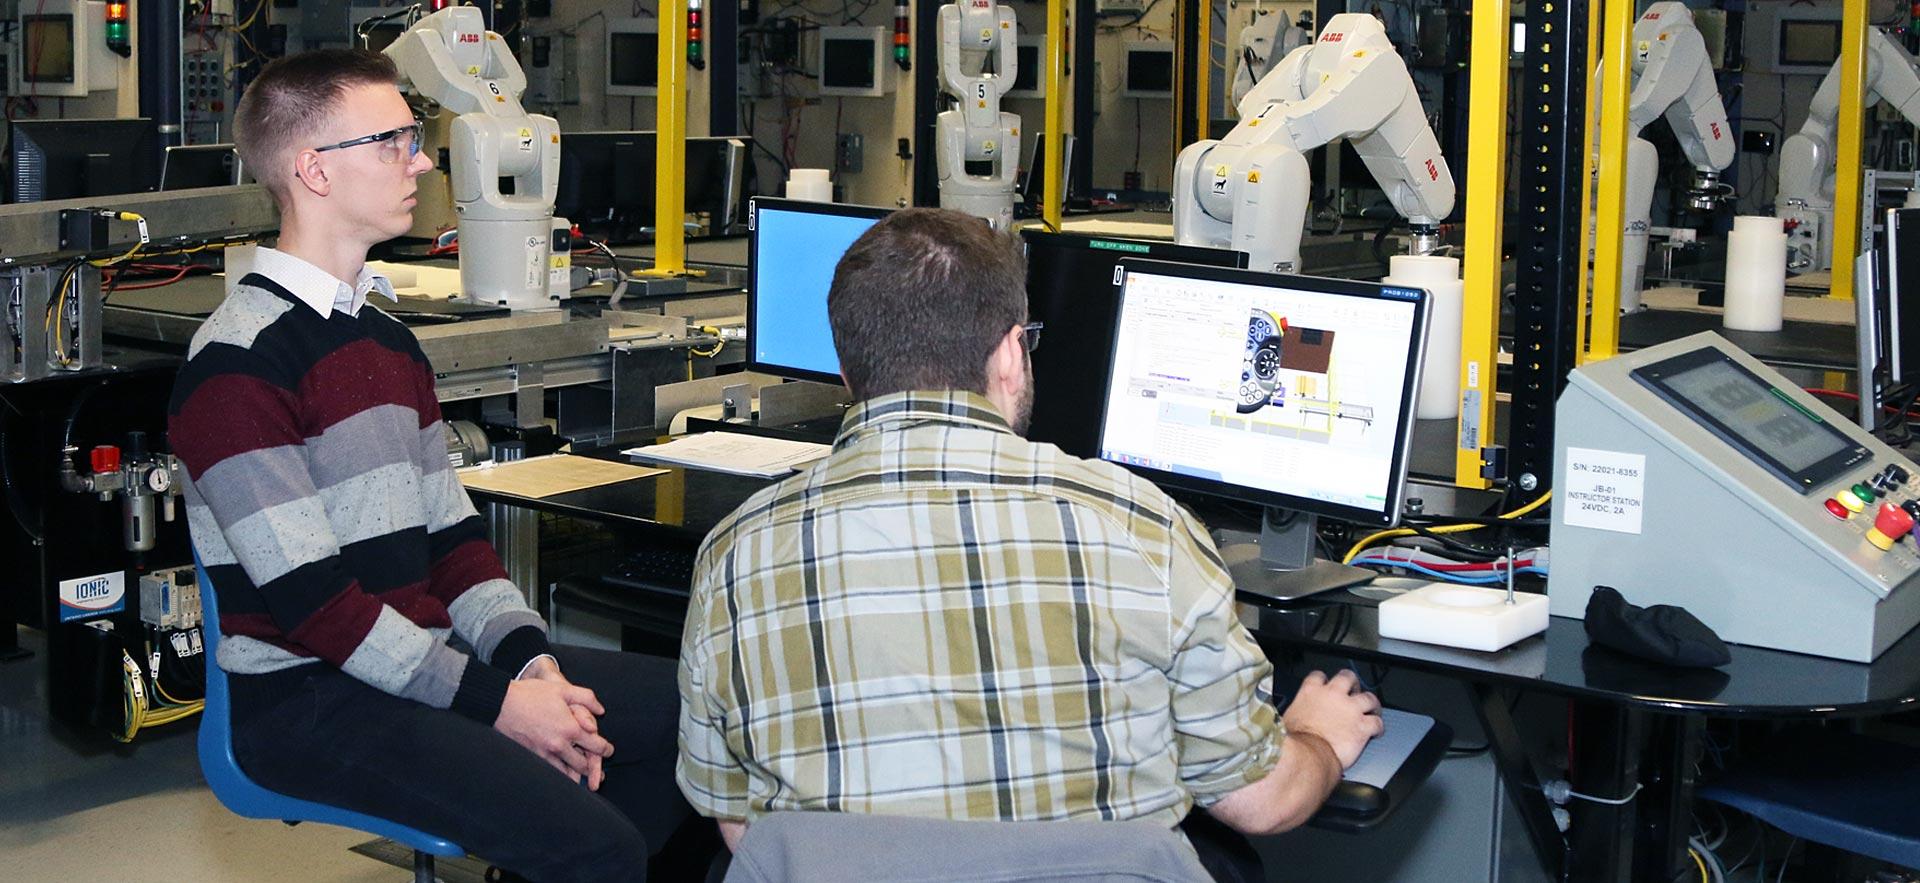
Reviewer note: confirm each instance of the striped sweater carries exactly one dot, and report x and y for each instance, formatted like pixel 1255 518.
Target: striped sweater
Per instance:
pixel 326 513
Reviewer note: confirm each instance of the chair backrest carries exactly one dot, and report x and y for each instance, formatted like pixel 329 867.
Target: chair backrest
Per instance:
pixel 820 846
pixel 217 761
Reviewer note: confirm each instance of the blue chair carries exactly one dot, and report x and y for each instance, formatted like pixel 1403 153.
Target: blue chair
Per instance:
pixel 1842 790
pixel 239 793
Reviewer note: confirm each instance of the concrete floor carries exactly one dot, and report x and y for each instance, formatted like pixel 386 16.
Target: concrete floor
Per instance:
pixel 84 809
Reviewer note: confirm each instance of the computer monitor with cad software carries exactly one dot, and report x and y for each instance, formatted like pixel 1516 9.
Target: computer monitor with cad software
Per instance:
pixel 792 249
pixel 1294 393
pixel 1072 288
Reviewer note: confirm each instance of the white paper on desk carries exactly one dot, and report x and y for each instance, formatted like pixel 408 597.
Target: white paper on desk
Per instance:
pixel 734 452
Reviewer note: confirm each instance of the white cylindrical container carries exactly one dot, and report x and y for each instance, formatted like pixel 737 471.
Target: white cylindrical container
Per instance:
pixel 1440 368
pixel 1757 224
pixel 810 184
pixel 1756 274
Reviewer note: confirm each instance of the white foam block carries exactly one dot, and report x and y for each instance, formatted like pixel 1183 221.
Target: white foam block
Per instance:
pixel 1467 617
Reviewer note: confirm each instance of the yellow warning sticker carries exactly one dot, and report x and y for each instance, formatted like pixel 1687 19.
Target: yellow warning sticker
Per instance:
pixel 526 132
pixel 1253 176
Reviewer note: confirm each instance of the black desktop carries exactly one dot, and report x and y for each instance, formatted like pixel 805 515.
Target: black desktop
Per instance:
pixel 68 159
pixel 1033 180
pixel 607 182
pixel 199 165
pixel 1071 286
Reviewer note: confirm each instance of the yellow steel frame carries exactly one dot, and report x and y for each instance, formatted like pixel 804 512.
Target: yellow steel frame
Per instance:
pixel 1055 113
pixel 1202 97
pixel 1594 25
pixel 1610 221
pixel 1486 195
pixel 1847 234
pixel 670 158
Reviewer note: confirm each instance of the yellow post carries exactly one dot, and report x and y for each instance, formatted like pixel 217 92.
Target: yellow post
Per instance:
pixel 1610 222
pixel 1054 126
pixel 1847 234
pixel 670 157
pixel 1486 195
pixel 1594 25
pixel 1204 70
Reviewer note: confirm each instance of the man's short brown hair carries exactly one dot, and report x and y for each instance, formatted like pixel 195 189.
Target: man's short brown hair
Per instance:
pixel 921 299
pixel 291 99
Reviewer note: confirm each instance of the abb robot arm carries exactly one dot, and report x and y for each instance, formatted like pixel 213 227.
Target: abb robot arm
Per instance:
pixel 1249 191
pixel 1673 77
pixel 1805 200
pixel 977 147
pixel 505 240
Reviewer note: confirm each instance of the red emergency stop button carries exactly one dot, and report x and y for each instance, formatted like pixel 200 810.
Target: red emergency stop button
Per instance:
pixel 1889 525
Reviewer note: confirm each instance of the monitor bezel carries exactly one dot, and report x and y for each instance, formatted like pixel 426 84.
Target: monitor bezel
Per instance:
pixel 75 51
pixel 752 362
pixel 1409 391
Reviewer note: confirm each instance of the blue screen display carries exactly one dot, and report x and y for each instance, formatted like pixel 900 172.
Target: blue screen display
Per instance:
pixel 795 253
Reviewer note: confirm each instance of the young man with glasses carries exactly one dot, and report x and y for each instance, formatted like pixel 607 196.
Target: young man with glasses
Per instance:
pixel 942 619
pixel 380 659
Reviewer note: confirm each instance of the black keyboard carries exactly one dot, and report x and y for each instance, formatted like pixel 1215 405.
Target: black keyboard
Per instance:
pixel 657 569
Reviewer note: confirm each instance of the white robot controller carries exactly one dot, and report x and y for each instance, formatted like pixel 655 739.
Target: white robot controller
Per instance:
pixel 977 147
pixel 1249 190
pixel 506 244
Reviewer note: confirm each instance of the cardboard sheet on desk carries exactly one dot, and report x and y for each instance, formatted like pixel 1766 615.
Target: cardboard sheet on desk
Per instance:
pixel 1134 229
pixel 420 280
pixel 1825 310
pixel 553 474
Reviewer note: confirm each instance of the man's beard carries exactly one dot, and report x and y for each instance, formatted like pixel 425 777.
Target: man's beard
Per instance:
pixel 1022 414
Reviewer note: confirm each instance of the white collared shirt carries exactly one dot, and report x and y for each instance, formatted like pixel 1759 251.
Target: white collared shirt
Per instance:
pixel 318 288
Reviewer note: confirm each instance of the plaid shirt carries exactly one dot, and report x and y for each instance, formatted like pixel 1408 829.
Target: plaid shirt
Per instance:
pixel 944 620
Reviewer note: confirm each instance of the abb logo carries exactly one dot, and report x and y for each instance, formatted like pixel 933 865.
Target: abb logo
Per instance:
pixel 1716 130
pixel 1433 171
pixel 1651 16
pixel 467 38
pixel 1332 37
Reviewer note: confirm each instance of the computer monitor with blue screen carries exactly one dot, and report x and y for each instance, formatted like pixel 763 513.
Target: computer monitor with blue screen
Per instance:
pixel 1294 393
pixel 792 249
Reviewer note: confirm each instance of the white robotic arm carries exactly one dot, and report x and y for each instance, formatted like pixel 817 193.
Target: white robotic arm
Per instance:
pixel 977 148
pixel 1673 77
pixel 1805 200
pixel 505 239
pixel 1249 190
pixel 1262 45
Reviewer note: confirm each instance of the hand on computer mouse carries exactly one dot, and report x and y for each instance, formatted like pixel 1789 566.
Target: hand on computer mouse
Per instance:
pixel 1337 710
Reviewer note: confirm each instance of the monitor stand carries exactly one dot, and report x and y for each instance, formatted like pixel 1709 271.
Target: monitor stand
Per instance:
pixel 1280 564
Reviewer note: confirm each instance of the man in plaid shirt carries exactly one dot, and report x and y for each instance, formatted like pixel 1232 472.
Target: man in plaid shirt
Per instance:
pixel 942 619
